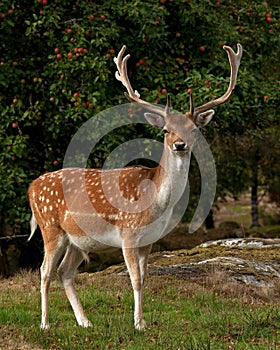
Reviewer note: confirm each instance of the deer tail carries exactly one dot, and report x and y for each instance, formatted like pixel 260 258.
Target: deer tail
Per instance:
pixel 33 226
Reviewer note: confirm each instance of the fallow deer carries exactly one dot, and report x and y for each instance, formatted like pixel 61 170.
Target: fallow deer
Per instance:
pixel 58 217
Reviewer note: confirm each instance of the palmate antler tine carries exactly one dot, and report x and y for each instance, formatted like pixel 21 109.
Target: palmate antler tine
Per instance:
pixel 132 95
pixel 234 61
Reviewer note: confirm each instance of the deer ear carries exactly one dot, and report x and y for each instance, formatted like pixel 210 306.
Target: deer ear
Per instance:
pixel 204 118
pixel 155 120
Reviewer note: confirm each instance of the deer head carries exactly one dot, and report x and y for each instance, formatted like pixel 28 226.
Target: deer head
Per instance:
pixel 177 126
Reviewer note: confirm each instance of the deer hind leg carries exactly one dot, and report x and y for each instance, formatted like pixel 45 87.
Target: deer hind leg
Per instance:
pixel 136 260
pixel 66 272
pixel 55 244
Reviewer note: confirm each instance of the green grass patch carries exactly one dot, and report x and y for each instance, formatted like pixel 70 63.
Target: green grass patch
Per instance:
pixel 240 208
pixel 179 314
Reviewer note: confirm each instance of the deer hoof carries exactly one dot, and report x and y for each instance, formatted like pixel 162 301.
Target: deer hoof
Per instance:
pixel 140 325
pixel 85 324
pixel 45 326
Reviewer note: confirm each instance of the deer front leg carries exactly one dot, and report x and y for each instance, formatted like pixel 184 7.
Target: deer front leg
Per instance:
pixel 136 262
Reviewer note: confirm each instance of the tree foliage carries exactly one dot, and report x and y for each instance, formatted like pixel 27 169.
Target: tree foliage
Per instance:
pixel 57 71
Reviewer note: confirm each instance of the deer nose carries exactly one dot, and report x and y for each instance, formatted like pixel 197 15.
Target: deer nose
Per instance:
pixel 180 146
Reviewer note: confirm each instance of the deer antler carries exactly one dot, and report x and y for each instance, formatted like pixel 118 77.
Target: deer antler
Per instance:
pixel 132 95
pixel 234 61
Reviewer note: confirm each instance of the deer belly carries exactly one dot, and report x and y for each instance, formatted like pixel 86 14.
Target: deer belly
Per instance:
pixel 91 233
pixel 97 242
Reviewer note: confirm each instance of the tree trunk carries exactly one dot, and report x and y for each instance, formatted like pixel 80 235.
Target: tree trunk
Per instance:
pixel 4 262
pixel 209 221
pixel 4 265
pixel 254 197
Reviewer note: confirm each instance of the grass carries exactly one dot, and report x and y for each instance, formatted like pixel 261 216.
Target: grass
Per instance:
pixel 179 314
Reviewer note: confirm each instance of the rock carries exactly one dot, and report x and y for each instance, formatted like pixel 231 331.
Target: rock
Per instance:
pixel 250 261
pixel 244 243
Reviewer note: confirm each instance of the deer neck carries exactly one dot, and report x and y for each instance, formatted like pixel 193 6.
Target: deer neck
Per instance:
pixel 171 177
